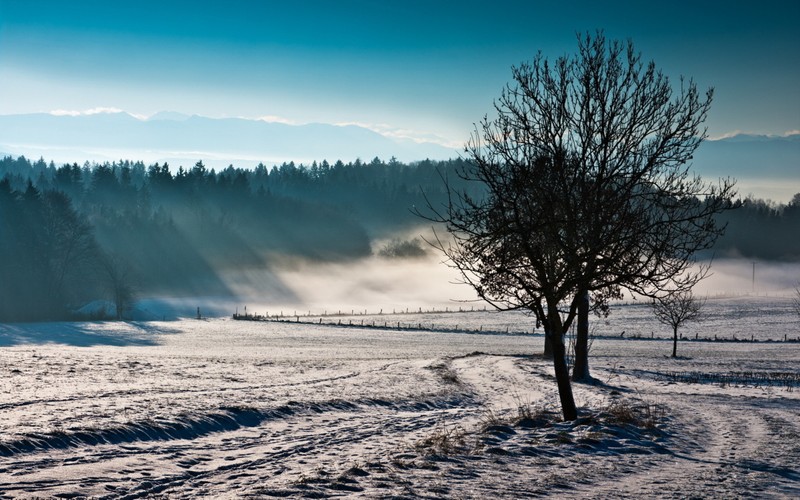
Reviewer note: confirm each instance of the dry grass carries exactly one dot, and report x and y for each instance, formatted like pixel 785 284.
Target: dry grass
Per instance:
pixel 495 426
pixel 643 414
pixel 787 380
pixel 446 373
pixel 444 441
pixel 532 415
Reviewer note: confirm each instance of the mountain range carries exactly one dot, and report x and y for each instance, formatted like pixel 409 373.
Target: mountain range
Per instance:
pixel 764 166
pixel 183 139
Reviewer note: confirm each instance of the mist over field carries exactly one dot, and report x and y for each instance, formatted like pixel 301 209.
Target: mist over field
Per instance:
pixel 373 285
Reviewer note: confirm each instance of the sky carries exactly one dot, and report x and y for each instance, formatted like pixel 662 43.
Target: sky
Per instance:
pixel 426 70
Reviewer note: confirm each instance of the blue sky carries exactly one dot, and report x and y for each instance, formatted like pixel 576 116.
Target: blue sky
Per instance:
pixel 422 69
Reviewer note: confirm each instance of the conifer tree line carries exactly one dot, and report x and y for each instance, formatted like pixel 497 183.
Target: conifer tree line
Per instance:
pixel 74 233
pixel 69 234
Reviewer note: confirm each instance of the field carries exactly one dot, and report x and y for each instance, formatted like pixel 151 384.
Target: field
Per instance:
pixel 228 408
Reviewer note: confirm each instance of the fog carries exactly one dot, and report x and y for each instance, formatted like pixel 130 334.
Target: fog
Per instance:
pixel 292 285
pixel 377 285
pixel 735 276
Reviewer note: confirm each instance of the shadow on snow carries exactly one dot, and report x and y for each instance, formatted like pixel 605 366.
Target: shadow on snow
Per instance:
pixel 84 334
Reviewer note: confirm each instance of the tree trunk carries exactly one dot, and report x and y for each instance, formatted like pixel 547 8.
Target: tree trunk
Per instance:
pixel 568 407
pixel 675 342
pixel 580 372
pixel 548 343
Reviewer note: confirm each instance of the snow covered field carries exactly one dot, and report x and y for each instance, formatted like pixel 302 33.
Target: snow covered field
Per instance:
pixel 229 408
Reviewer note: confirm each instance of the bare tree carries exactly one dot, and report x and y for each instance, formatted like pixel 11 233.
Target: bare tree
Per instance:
pixel 797 299
pixel 583 188
pixel 675 309
pixel 118 277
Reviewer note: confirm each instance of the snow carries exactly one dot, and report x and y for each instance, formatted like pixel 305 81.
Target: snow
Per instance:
pixel 231 409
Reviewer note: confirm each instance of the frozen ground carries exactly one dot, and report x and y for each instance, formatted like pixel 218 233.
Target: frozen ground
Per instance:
pixel 227 408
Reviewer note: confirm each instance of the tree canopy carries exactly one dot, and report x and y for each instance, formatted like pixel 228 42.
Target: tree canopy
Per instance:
pixel 587 167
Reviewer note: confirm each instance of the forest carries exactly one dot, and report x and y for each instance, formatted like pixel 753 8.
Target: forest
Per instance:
pixel 72 233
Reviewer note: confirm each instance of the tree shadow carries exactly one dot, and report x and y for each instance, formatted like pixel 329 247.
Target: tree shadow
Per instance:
pixel 606 385
pixel 83 334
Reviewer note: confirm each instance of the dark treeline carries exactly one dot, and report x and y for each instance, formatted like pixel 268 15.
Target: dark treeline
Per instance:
pixel 73 233
pixel 762 229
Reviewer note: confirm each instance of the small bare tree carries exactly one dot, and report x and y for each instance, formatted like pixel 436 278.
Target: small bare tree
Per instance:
pixel 676 309
pixel 797 298
pixel 118 278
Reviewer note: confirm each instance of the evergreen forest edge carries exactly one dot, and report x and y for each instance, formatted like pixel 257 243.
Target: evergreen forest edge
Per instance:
pixel 75 233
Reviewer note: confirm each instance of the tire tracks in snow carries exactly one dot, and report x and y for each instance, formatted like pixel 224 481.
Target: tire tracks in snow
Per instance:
pixel 749 450
pixel 290 432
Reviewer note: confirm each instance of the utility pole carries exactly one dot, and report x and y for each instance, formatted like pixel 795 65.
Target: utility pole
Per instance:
pixel 754 276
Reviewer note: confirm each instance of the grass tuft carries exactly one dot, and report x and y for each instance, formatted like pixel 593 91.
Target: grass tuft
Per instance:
pixel 645 414
pixel 446 373
pixel 444 440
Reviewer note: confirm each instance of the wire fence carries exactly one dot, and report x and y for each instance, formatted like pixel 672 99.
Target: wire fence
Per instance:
pixel 381 321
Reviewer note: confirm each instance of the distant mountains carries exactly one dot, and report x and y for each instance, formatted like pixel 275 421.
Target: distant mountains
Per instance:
pixel 183 139
pixel 746 155
pixel 767 166
pixel 764 166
